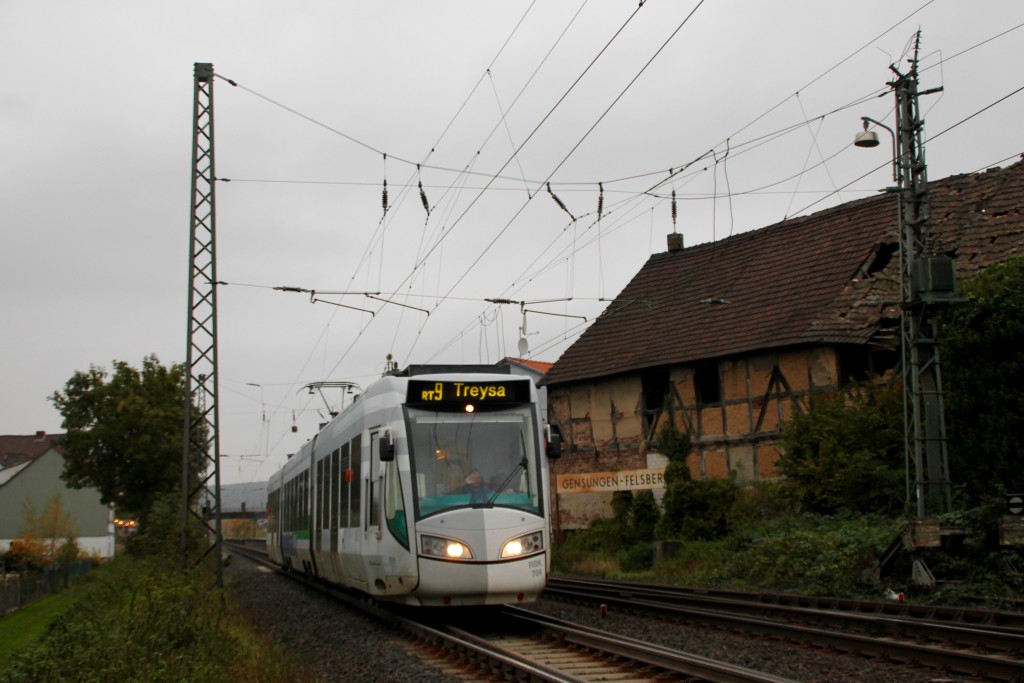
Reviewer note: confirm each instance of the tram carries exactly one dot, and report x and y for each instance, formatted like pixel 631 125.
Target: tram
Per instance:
pixel 430 489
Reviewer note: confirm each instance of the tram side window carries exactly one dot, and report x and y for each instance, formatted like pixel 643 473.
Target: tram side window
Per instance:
pixel 305 521
pixel 373 500
pixel 290 488
pixel 293 509
pixel 322 491
pixel 302 500
pixel 346 488
pixel 277 511
pixel 319 495
pixel 296 503
pixel 271 509
pixel 335 493
pixel 294 493
pixel 325 493
pixel 318 512
pixel 355 508
pixel 286 506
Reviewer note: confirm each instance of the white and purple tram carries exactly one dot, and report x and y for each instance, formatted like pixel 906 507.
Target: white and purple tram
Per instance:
pixel 428 490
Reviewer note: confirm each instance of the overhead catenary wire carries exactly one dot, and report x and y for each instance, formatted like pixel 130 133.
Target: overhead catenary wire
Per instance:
pixel 728 193
pixel 587 133
pixel 507 162
pixel 562 183
pixel 420 261
pixel 737 148
pixel 854 181
pixel 444 232
pixel 489 181
pixel 358 142
pixel 932 138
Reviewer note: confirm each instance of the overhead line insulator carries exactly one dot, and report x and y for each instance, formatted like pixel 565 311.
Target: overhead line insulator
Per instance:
pixel 559 202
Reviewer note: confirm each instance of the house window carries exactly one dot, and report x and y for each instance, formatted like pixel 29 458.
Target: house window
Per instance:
pixel 707 383
pixel 859 364
pixel 854 365
pixel 654 385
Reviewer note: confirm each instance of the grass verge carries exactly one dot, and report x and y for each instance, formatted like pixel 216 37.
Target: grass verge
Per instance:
pixel 136 620
pixel 25 626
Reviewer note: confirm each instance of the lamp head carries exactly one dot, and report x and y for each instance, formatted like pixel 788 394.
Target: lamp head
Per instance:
pixel 866 138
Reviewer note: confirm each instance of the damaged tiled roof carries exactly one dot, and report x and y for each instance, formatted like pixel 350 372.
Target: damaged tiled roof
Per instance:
pixel 831 277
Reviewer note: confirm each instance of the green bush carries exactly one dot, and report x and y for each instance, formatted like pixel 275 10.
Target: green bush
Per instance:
pixel 982 372
pixel 622 543
pixel 846 453
pixel 138 624
pixel 645 516
pixel 697 510
pixel 810 554
pixel 636 558
pixel 759 505
pixel 692 510
pixel 138 621
pixel 818 555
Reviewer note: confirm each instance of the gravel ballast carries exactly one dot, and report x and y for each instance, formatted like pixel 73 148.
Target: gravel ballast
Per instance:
pixel 332 643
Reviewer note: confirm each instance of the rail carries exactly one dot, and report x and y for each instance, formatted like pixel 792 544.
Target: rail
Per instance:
pixel 903 638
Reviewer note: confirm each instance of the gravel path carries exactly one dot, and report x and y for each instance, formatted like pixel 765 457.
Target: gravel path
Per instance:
pixel 334 644
pixel 330 643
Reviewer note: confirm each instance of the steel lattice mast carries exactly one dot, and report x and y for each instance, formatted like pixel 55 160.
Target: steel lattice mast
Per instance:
pixel 928 281
pixel 200 461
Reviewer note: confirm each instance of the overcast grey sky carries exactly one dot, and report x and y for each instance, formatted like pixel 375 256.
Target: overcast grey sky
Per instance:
pixel 756 101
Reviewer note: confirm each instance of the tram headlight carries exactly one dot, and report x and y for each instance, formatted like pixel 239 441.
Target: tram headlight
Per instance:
pixel 523 545
pixel 435 546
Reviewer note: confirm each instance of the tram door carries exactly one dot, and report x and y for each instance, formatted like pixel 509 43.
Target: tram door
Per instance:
pixel 374 489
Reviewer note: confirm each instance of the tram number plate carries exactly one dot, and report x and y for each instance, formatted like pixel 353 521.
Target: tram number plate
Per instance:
pixel 537 567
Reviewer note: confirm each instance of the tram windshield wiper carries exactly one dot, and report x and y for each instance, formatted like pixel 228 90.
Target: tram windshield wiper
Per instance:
pixel 515 470
pixel 521 465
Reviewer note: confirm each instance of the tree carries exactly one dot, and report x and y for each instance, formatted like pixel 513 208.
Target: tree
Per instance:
pixel 846 452
pixel 124 431
pixel 47 538
pixel 982 372
pixel 54 528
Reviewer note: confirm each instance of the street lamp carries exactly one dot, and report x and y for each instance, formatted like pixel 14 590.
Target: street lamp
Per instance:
pixel 869 138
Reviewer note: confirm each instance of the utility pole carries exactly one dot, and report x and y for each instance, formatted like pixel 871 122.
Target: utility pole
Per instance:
pixel 200 459
pixel 928 281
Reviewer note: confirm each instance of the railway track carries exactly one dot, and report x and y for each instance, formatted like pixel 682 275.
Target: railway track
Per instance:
pixel 716 597
pixel 513 644
pixel 970 642
pixel 564 651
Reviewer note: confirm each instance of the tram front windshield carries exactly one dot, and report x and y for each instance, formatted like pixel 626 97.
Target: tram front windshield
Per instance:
pixel 483 459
